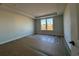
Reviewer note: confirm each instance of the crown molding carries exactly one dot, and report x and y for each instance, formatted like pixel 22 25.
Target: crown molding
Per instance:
pixel 15 10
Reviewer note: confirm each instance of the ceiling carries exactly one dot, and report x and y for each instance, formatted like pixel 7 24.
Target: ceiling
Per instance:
pixel 38 9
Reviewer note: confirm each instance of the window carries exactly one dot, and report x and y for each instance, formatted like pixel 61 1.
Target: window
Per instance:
pixel 47 24
pixel 43 24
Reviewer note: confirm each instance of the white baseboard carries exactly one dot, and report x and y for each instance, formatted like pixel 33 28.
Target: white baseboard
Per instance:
pixel 13 39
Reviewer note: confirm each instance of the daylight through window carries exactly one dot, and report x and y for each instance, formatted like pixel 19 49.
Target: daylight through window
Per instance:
pixel 47 24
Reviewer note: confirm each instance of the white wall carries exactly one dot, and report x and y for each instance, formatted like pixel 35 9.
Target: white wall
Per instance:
pixel 13 26
pixel 58 26
pixel 67 25
pixel 75 28
pixel 71 26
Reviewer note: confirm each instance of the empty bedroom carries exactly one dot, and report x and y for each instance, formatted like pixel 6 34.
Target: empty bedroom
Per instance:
pixel 38 29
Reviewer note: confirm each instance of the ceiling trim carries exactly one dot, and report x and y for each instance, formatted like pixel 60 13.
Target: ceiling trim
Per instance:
pixel 47 15
pixel 16 10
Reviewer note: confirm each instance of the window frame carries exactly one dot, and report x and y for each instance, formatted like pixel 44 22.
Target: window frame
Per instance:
pixel 46 24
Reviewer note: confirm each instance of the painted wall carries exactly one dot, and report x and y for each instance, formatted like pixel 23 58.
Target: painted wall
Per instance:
pixel 71 27
pixel 58 26
pixel 13 26
pixel 67 25
pixel 75 28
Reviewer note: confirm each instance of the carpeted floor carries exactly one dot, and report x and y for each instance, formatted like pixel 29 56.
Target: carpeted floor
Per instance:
pixel 35 45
